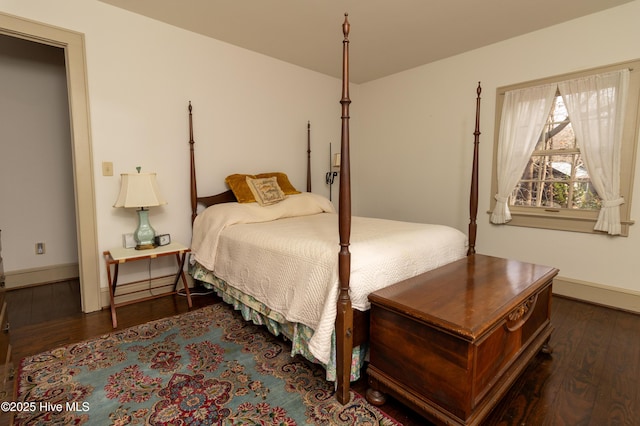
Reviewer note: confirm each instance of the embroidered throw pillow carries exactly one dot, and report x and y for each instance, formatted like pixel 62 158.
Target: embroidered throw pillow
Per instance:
pixel 265 190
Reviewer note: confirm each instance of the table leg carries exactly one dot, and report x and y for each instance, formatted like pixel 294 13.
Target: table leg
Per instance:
pixel 180 274
pixel 114 319
pixel 112 292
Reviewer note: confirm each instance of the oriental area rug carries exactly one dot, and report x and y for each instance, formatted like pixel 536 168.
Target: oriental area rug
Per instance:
pixel 204 367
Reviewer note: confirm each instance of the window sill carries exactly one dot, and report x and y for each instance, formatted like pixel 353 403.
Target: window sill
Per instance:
pixel 557 220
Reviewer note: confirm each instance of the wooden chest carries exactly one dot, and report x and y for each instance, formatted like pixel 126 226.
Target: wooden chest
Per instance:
pixel 450 342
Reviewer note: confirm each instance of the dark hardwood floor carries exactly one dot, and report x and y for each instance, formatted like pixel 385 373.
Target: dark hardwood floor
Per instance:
pixel 45 317
pixel 590 379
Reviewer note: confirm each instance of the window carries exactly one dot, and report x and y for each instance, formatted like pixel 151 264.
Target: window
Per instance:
pixel 544 178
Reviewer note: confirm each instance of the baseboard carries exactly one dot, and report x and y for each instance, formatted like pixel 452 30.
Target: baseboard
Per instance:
pixel 614 297
pixel 619 298
pixel 141 289
pixel 43 275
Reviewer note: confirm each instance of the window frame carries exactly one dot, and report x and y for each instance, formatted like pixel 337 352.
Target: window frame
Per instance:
pixel 565 219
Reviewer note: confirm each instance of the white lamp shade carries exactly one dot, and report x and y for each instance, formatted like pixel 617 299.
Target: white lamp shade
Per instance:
pixel 139 190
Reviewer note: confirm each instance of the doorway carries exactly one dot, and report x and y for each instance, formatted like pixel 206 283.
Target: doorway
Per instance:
pixel 73 45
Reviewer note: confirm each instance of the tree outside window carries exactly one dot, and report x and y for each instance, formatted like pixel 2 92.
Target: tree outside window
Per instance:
pixel 556 176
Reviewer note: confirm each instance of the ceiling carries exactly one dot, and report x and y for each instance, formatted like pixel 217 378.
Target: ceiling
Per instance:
pixel 387 36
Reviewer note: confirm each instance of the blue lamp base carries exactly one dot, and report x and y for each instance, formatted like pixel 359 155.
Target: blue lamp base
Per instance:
pixel 145 234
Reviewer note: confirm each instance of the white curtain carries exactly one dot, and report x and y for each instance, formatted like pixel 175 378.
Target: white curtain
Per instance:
pixel 596 109
pixel 524 114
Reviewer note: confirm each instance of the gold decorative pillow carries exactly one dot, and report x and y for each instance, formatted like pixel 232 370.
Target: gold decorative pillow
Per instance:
pixel 266 191
pixel 283 182
pixel 238 184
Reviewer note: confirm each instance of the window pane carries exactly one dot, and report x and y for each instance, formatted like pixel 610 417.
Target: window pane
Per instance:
pixel 557 133
pixel 556 176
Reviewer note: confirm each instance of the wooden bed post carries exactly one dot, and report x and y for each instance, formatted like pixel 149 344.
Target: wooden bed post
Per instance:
pixel 344 319
pixel 473 196
pixel 194 189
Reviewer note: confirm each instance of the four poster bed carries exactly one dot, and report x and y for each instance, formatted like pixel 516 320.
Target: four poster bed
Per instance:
pixel 275 259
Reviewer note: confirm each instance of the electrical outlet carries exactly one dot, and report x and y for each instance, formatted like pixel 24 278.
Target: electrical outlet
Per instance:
pixel 40 248
pixel 107 168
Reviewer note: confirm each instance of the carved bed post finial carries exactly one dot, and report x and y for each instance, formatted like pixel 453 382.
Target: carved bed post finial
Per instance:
pixel 346 27
pixel 473 198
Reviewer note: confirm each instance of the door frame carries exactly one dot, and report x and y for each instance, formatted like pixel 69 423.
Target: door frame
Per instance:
pixel 74 49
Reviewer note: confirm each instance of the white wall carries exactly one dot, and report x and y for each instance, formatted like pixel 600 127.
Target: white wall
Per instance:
pixel 250 111
pixel 419 127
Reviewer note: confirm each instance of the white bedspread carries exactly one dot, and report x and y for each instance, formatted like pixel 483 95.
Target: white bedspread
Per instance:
pixel 286 256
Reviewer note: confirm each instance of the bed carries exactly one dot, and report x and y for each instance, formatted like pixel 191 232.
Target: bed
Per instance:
pixel 286 259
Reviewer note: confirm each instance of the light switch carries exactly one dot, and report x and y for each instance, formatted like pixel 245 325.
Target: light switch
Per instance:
pixel 107 168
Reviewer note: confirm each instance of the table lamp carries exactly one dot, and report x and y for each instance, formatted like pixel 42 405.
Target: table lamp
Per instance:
pixel 140 190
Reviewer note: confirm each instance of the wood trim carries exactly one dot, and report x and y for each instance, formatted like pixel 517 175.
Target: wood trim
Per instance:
pixel 74 48
pixel 597 294
pixel 44 275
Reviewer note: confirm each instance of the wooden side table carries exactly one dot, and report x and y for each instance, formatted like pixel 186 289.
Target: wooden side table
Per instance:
pixel 119 255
